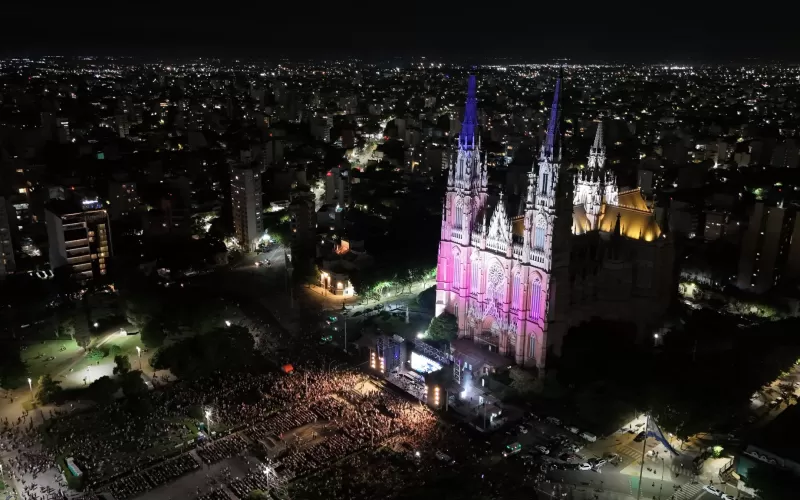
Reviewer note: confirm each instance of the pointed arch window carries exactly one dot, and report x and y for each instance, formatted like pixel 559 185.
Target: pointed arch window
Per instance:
pixel 459 215
pixel 516 293
pixel 545 179
pixel 475 276
pixel 456 273
pixel 536 300
pixel 538 236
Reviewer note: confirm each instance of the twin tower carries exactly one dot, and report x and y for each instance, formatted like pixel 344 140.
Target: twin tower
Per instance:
pixel 504 277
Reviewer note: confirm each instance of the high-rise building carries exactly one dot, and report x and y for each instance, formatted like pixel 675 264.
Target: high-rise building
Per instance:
pixel 337 187
pixel 124 198
pixel 246 202
pixel 79 238
pixel 7 262
pixel 768 252
pixel 516 283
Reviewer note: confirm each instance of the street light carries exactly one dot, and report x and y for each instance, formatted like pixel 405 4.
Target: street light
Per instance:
pixel 96 324
pixel 227 323
pixel 208 420
pixel 139 353
pixel 30 386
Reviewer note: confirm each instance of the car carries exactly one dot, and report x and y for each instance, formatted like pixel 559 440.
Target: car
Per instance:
pixel 640 437
pixel 553 420
pixel 600 463
pixel 725 496
pixel 712 490
pixel 543 449
pixel 523 429
pixel 584 467
pixel 573 429
pixel 531 416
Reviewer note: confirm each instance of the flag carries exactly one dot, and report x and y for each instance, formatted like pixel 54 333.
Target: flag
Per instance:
pixel 654 431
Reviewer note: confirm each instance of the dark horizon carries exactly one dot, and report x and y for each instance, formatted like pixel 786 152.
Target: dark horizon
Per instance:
pixel 497 31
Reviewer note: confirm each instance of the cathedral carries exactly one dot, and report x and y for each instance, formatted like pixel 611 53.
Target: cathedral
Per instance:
pixel 579 249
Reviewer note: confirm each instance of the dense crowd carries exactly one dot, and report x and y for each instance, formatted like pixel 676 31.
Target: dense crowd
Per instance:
pixel 121 450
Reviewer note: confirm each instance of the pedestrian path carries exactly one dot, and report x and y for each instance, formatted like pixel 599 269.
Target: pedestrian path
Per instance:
pixel 687 492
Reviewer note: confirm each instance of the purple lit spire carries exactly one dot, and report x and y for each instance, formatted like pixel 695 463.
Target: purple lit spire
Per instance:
pixel 553 131
pixel 469 126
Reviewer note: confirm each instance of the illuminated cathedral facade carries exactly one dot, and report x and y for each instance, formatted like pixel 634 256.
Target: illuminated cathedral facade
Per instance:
pixel 579 248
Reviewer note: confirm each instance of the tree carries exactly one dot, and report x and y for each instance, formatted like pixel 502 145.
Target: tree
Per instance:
pixel 223 349
pixel 102 390
pixel 443 327
pixel 66 325
pixel 772 483
pixel 114 350
pixel 122 365
pixel 522 381
pixel 47 389
pixel 153 334
pixel 82 337
pixel 132 384
pixel 12 368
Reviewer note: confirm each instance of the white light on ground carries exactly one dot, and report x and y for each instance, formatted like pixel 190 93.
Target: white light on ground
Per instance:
pixel 420 335
pixel 138 350
pixel 227 323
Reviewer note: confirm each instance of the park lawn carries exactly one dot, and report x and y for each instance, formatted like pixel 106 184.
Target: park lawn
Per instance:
pixel 126 343
pixel 48 348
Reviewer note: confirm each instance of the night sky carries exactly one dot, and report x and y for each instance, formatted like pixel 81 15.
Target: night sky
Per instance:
pixel 474 31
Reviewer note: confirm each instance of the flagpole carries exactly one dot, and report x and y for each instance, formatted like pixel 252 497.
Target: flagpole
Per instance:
pixel 644 450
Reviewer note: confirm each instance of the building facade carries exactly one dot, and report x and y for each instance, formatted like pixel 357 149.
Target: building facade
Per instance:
pixel 79 239
pixel 579 249
pixel 7 261
pixel 248 226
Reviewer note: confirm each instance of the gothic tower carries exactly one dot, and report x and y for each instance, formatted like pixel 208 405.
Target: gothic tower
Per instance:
pixel 465 203
pixel 547 231
pixel 595 184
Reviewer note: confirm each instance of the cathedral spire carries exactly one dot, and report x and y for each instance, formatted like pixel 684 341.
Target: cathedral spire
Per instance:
pixel 469 126
pixel 552 146
pixel 597 153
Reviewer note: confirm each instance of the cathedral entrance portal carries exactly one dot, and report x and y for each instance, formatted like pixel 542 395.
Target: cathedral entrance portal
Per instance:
pixel 489 334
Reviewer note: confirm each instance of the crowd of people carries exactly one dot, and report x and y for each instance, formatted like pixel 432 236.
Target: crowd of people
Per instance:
pixel 160 474
pixel 122 451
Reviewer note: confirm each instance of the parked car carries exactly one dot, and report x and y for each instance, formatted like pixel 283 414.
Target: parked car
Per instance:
pixel 573 429
pixel 589 436
pixel 640 437
pixel 523 429
pixel 584 467
pixel 712 490
pixel 553 420
pixel 600 463
pixel 543 449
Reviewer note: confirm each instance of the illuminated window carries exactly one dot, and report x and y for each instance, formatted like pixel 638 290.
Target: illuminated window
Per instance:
pixel 515 293
pixel 538 237
pixel 456 272
pixel 475 276
pixel 536 300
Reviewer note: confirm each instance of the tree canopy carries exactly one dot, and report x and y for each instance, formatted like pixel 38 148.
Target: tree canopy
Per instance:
pixel 153 334
pixel 122 365
pixel 222 349
pixel 12 368
pixel 47 389
pixel 443 327
pixel 772 483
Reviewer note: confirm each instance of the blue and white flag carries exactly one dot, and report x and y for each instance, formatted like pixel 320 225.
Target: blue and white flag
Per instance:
pixel 654 431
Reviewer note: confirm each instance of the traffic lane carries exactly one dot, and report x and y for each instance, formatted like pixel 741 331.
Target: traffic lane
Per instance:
pixel 614 481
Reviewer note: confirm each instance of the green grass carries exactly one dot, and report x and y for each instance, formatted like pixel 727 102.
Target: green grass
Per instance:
pixel 48 348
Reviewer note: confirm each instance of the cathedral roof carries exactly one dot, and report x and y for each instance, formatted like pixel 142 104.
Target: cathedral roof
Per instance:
pixel 633 199
pixel 634 224
pixel 636 220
